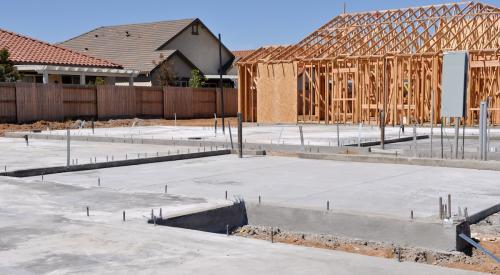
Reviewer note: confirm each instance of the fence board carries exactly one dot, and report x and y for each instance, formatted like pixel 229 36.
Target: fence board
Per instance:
pixel 39 102
pixel 230 102
pixel 204 103
pixel 79 102
pixel 149 101
pixel 178 101
pixel 8 103
pixel 116 102
pixel 27 102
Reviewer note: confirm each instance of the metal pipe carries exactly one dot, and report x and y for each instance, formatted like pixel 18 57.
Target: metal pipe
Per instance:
pixel 68 147
pixel 221 85
pixel 240 136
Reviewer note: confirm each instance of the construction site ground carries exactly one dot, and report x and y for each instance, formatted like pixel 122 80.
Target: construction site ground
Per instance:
pixel 69 241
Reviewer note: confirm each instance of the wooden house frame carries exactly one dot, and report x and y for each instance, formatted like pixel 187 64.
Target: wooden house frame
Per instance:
pixel 360 64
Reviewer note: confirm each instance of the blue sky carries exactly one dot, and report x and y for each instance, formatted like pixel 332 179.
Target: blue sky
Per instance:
pixel 244 24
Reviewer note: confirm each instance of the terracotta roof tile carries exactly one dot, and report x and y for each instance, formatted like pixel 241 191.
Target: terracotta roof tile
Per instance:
pixel 26 50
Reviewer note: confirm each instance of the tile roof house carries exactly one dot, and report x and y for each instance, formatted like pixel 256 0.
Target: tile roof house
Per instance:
pixel 39 61
pixel 184 45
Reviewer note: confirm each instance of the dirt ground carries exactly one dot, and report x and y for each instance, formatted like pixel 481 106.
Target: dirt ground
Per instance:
pixel 71 124
pixel 477 262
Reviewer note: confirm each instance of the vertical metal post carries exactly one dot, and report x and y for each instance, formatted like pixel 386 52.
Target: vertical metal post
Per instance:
pixel 240 136
pixel 123 215
pixel 359 134
pixel 338 134
pixel 415 139
pixel 486 138
pixel 215 123
pixel 382 129
pixel 221 85
pixel 442 142
pixel 457 134
pixel 230 135
pixel 68 147
pixel 440 208
pixel 463 140
pixel 432 121
pixel 482 131
pixel 449 206
pixel 302 148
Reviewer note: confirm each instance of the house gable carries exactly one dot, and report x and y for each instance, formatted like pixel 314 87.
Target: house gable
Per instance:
pixel 201 49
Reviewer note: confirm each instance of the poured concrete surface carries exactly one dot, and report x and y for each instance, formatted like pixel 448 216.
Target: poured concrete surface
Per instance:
pixel 367 188
pixel 43 229
pixel 324 135
pixel 15 155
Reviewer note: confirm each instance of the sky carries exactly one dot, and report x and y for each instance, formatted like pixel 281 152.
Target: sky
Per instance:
pixel 244 25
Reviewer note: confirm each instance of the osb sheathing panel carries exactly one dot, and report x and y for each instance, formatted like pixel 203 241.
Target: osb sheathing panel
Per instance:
pixel 277 93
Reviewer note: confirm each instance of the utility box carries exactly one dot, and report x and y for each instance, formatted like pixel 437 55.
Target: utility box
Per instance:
pixel 454 84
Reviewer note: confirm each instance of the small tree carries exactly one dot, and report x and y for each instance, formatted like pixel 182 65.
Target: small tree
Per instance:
pixel 165 74
pixel 8 73
pixel 100 81
pixel 197 79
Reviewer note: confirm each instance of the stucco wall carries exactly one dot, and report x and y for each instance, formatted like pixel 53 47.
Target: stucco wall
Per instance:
pixel 179 67
pixel 202 49
pixel 277 93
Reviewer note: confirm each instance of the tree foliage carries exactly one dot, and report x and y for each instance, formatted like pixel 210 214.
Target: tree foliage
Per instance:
pixel 8 73
pixel 197 79
pixel 165 75
pixel 100 81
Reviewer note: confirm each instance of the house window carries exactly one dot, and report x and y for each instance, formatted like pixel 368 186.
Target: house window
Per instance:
pixel 30 78
pixel 194 29
pixel 70 79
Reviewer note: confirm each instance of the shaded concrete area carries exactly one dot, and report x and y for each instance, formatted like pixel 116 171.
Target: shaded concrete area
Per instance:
pixel 55 236
pixel 366 188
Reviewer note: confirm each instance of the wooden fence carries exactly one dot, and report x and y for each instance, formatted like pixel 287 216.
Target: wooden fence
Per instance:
pixel 28 102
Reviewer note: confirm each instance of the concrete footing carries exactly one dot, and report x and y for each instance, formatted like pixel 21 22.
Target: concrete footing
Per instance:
pixel 111 164
pixel 434 235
